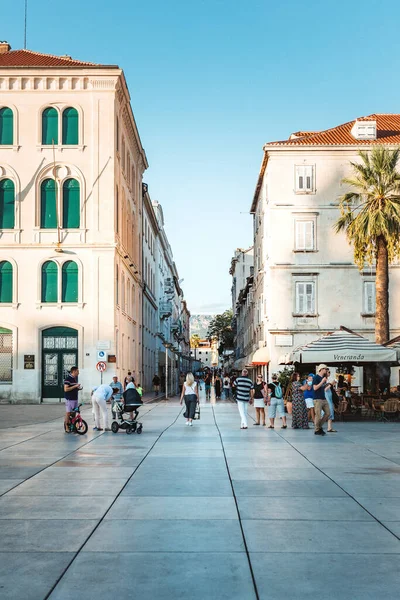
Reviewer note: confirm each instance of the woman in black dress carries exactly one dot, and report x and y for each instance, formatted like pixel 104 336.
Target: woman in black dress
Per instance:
pixel 299 410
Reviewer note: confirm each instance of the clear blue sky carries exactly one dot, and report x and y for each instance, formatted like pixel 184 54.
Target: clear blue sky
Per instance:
pixel 211 81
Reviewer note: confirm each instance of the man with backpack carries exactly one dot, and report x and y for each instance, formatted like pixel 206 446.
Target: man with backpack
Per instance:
pixel 275 402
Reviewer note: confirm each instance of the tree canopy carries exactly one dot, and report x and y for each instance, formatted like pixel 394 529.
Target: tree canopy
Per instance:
pixel 220 328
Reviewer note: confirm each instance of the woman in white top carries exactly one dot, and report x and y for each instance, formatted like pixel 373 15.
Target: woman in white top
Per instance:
pixel 191 395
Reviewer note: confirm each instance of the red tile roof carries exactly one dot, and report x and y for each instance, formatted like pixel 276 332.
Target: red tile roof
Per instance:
pixel 28 58
pixel 388 132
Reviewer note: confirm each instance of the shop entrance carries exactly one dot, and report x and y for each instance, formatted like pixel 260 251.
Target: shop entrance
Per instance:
pixel 59 354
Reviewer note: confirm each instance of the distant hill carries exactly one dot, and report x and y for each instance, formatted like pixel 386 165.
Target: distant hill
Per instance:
pixel 199 324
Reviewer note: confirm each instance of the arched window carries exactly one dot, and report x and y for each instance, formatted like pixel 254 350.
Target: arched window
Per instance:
pixel 49 127
pixel 6 127
pixel 69 282
pixel 48 204
pixel 70 127
pixel 71 204
pixel 6 282
pixel 7 204
pixel 49 281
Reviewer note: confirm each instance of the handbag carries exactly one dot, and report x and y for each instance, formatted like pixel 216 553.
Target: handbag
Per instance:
pixel 197 412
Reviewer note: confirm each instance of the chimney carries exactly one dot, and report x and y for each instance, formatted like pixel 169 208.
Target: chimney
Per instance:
pixel 4 47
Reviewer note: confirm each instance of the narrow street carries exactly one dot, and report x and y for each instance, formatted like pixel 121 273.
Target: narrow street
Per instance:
pixel 204 512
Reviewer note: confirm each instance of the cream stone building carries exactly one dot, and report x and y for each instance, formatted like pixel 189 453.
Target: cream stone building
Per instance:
pixel 305 280
pixel 71 166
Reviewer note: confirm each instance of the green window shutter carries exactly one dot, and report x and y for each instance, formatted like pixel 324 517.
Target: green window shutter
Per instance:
pixel 6 282
pixel 71 204
pixel 49 282
pixel 49 127
pixel 6 127
pixel 7 204
pixel 69 282
pixel 48 204
pixel 70 127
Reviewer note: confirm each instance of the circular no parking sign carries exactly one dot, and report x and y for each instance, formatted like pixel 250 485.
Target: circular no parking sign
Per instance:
pixel 101 366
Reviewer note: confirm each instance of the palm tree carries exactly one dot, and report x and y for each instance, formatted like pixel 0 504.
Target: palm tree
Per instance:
pixel 370 217
pixel 195 343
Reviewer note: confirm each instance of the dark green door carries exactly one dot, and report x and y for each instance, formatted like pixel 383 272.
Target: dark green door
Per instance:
pixel 59 354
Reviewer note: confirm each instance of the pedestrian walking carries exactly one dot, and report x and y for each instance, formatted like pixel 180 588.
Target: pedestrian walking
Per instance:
pixel 244 396
pixel 99 402
pixel 233 386
pixel 71 389
pixel 320 402
pixel 218 387
pixel 275 403
pixel 126 379
pixel 227 387
pixel 309 397
pixel 260 399
pixel 181 382
pixel 329 397
pixel 207 385
pixel 190 394
pixel 117 384
pixel 156 385
pixel 299 407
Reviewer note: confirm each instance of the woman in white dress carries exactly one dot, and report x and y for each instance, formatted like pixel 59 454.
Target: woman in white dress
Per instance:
pixel 191 395
pixel 259 401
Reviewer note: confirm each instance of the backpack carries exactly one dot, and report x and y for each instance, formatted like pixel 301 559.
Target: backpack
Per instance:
pixel 278 391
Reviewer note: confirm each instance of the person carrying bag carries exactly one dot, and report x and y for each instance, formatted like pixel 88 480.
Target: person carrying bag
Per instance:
pixel 191 396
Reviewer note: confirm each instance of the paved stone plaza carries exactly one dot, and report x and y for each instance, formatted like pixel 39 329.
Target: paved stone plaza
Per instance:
pixel 209 512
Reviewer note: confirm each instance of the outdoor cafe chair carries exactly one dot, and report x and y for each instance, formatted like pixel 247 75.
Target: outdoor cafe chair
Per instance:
pixel 391 409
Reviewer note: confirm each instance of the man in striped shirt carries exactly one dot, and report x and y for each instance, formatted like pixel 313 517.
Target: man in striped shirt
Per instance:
pixel 244 396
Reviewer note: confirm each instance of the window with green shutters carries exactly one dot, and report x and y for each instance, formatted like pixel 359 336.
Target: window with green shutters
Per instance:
pixel 70 127
pixel 6 282
pixel 7 204
pixel 71 204
pixel 6 126
pixel 49 127
pixel 49 281
pixel 48 204
pixel 69 282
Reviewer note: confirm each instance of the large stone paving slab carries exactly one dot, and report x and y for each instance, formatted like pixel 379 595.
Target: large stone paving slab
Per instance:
pixel 166 536
pixel 57 487
pixel 30 575
pixel 32 507
pixel 173 507
pixel 184 486
pixel 313 488
pixel 44 535
pixel 327 576
pixel 314 509
pixel 161 576
pixel 319 536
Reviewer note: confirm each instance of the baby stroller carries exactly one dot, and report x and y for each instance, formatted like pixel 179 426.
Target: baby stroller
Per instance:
pixel 130 402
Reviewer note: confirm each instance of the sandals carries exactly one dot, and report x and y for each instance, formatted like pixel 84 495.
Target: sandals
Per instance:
pixel 256 423
pixel 284 427
pixel 270 427
pixel 331 431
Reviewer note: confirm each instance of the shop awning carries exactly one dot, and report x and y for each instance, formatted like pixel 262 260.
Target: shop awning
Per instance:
pixel 249 360
pixel 285 359
pixel 343 346
pixel 239 364
pixel 261 356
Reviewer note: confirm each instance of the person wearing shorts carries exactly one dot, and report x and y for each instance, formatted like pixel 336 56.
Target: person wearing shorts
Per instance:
pixel 275 404
pixel 71 389
pixel 309 397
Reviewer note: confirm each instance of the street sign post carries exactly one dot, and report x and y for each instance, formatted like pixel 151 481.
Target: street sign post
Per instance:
pixel 101 367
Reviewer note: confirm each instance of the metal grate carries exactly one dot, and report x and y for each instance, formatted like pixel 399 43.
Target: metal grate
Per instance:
pixel 6 357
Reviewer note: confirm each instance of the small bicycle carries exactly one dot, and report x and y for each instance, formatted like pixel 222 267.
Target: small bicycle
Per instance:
pixel 76 423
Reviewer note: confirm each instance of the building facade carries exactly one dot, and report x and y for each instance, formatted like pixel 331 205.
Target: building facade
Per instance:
pixel 149 297
pixel 71 166
pixel 305 280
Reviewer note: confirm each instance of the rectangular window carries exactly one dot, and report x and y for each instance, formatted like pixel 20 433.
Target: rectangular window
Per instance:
pixel 369 297
pixel 305 297
pixel 305 179
pixel 304 235
pixel 6 356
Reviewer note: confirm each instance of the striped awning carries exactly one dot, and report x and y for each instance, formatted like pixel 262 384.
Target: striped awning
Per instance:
pixel 343 346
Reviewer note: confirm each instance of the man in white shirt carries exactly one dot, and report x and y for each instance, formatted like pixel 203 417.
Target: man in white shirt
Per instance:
pixel 100 395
